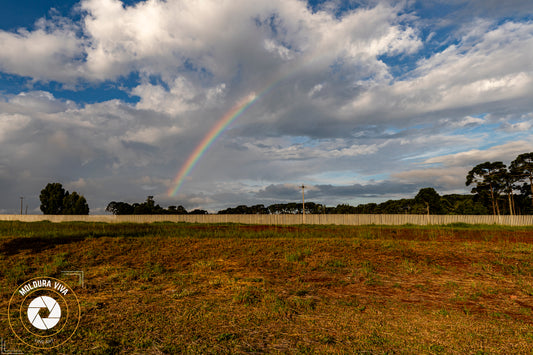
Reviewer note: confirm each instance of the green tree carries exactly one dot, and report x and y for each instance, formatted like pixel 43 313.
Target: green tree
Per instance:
pixel 488 177
pixel 469 206
pixel 55 200
pixel 509 185
pixel 197 211
pixel 176 210
pixel 522 168
pixel 74 204
pixel 523 200
pixel 52 197
pixel 148 207
pixel 119 208
pixel 368 208
pixel 430 199
pixel 345 208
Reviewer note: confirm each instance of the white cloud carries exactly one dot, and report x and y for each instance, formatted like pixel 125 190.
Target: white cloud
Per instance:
pixel 522 125
pixel 281 149
pixel 495 67
pixel 283 52
pixel 467 121
pixel 330 101
pixel 449 179
pixel 79 184
pixel 504 152
pixel 51 52
pixel 162 38
pixel 448 172
pixel 41 102
pixel 10 124
pixel 178 99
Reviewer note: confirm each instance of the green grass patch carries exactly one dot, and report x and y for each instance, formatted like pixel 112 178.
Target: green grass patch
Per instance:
pixel 168 288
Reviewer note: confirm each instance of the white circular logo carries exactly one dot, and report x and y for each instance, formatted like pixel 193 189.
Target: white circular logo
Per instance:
pixel 44 312
pixel 54 312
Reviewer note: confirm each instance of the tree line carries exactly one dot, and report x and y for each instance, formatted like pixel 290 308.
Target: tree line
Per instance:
pixel 496 189
pixel 426 200
pixel 147 207
pixel 502 189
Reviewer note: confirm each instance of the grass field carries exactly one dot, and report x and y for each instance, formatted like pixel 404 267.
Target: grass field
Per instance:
pixel 193 288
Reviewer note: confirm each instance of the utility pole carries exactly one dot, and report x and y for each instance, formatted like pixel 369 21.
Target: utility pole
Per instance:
pixel 303 204
pixel 21 202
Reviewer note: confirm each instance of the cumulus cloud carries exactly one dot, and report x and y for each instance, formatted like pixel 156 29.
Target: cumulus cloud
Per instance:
pixel 504 152
pixel 54 43
pixel 372 100
pixel 161 38
pixel 449 179
pixel 495 68
pixel 448 172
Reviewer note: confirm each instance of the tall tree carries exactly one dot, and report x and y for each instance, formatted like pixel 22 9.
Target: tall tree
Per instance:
pixel 119 208
pixel 75 204
pixel 522 168
pixel 508 181
pixel 52 197
pixel 176 210
pixel 55 200
pixel 148 207
pixel 430 198
pixel 488 176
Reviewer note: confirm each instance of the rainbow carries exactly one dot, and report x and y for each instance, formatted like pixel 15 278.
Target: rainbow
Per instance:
pixel 209 138
pixel 221 125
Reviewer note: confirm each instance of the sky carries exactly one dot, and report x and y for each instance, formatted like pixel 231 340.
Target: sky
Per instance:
pixel 211 104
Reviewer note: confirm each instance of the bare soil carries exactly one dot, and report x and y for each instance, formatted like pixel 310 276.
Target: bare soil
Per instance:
pixel 187 288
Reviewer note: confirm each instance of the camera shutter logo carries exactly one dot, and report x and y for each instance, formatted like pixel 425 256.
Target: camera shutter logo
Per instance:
pixel 53 308
pixel 44 312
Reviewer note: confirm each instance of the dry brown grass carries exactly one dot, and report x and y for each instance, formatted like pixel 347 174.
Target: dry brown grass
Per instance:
pixel 167 288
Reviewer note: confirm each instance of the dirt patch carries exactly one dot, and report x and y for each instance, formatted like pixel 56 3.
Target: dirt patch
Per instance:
pixel 263 289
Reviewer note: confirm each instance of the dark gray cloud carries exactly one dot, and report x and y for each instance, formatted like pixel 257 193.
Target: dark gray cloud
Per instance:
pixel 383 189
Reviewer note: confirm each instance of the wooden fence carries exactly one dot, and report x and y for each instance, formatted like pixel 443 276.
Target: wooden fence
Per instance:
pixel 287 219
